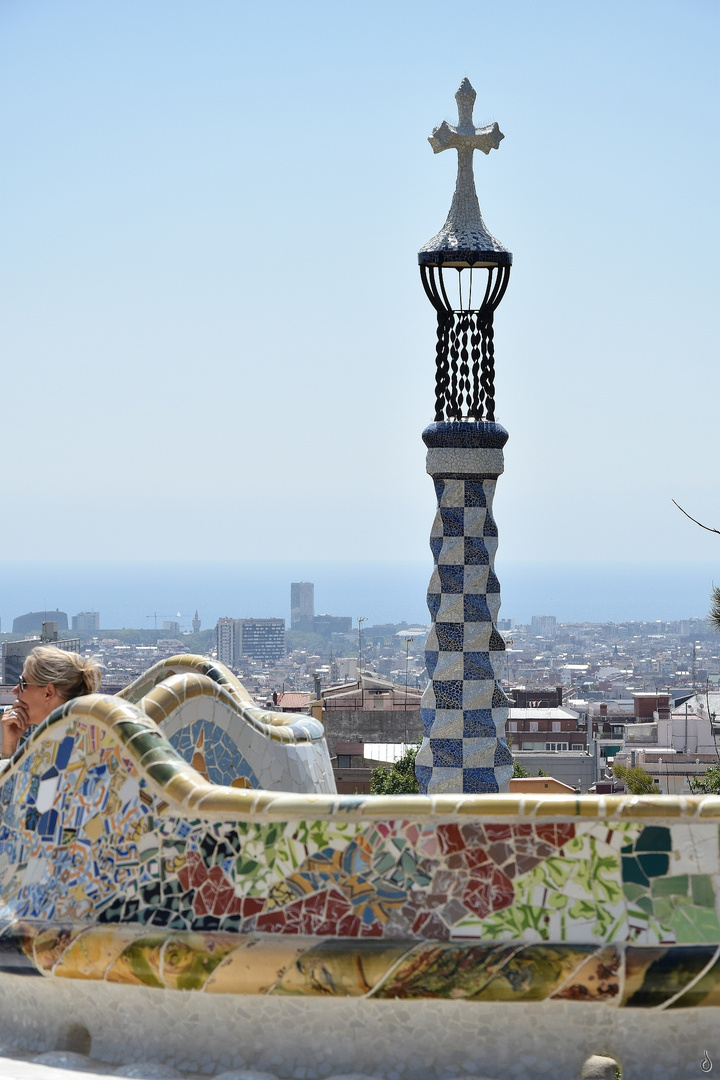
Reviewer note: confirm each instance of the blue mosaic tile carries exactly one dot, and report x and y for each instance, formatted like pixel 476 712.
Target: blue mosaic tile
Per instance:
pixel 497 643
pixel 475 493
pixel 478 723
pixel 431 659
pixel 502 754
pixel 428 719
pixel 433 603
pixel 453 520
pixel 452 578
pixel 439 489
pixel 436 543
pixel 499 699
pixel 475 608
pixel 448 693
pixel 477 666
pixel 490 528
pixel 476 554
pixel 449 636
pixel 447 753
pixel 493 585
pixel 479 782
pixel 424 774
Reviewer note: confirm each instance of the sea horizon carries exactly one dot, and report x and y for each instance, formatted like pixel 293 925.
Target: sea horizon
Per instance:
pixel 135 594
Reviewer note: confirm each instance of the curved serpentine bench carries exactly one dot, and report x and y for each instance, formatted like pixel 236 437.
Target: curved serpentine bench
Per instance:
pixel 211 720
pixel 420 936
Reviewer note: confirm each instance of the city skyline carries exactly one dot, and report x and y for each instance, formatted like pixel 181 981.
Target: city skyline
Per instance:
pixel 134 594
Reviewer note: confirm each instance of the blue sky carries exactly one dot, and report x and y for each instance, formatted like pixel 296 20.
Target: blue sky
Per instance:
pixel 215 343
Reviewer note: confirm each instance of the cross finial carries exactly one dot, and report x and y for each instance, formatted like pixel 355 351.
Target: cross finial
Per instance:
pixel 465 136
pixel 465 231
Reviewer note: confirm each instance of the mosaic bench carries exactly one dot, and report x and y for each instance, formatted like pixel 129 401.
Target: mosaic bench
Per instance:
pixel 212 721
pixel 212 927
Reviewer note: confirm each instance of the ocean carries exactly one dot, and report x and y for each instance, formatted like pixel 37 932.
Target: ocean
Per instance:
pixel 138 594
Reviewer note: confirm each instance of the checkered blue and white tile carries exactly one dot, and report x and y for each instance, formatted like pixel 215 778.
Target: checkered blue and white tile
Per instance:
pixel 464 710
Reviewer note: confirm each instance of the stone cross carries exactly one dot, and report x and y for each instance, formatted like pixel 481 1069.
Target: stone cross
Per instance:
pixel 464 228
pixel 465 137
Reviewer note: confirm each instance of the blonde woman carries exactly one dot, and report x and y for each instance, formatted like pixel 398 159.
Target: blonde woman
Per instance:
pixel 50 677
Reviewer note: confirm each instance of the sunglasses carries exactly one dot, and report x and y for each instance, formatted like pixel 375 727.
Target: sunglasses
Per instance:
pixel 23 684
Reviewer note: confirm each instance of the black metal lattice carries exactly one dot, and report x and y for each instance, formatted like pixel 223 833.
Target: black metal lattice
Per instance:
pixel 465 352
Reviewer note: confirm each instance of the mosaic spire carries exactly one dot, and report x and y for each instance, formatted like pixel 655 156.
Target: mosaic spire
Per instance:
pixel 464 708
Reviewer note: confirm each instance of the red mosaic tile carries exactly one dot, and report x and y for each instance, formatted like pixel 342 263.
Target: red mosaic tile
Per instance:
pixel 522 830
pixel 475 857
pixel 420 921
pixel 557 835
pixel 272 922
pixel 349 926
pixel 252 905
pixel 373 929
pixel 488 890
pixel 450 839
pixel 498 832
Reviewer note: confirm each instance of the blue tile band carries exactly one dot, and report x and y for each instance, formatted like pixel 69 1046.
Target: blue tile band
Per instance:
pixel 464 709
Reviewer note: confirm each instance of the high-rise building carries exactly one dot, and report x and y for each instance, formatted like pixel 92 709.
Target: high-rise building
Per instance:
pixel 171 626
pixel 262 639
pixel 225 640
pixel 544 626
pixel 255 639
pixel 302 605
pixel 87 622
pixel 196 623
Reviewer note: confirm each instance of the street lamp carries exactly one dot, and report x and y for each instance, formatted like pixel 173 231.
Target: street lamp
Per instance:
pixel 408 643
pixel 361 620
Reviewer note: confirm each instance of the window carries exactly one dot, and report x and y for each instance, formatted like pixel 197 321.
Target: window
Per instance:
pixel 556 746
pixel 578 746
pixel 533 725
pixel 556 725
pixel 344 761
pixel 512 725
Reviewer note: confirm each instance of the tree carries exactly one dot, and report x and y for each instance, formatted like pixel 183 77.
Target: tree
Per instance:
pixel 519 771
pixel 635 778
pixel 714 613
pixel 398 780
pixel 709 784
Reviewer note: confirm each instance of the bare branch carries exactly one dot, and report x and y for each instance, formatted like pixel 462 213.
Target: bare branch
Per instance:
pixel 695 520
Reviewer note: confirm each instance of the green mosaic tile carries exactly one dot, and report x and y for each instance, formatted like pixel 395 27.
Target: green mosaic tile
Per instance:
pixel 654 864
pixel 632 872
pixel 632 891
pixel 654 838
pixel 671 886
pixel 695 924
pixel 703 893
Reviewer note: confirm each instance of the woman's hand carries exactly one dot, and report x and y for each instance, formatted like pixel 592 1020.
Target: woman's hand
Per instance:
pixel 14 722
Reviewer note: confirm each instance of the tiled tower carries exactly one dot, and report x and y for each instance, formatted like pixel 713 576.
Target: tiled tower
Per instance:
pixel 465 273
